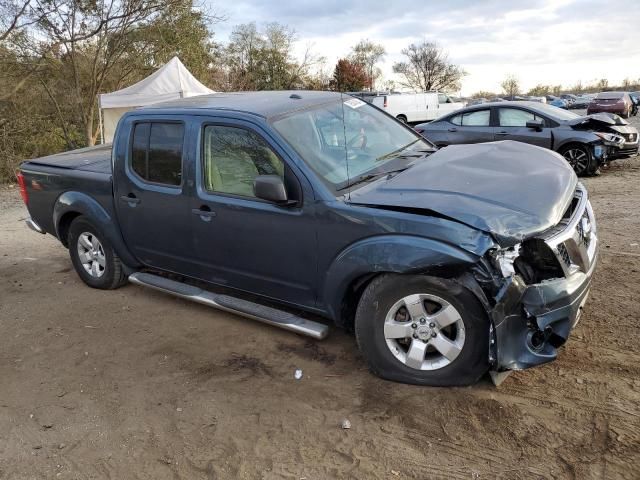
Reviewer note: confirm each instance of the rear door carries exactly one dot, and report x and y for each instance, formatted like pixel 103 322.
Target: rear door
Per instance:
pixel 151 193
pixel 512 125
pixel 471 127
pixel 242 241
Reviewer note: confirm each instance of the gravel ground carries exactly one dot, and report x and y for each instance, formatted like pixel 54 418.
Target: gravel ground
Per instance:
pixel 135 384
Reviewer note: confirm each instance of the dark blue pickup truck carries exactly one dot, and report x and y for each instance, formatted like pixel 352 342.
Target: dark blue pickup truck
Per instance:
pixel 294 207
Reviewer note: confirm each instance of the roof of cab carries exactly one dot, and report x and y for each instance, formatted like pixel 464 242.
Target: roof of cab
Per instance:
pixel 265 103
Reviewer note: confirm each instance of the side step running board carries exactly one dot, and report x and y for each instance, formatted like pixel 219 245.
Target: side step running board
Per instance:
pixel 272 316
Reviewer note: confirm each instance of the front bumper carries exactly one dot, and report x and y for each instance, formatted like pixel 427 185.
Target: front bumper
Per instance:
pixel 530 322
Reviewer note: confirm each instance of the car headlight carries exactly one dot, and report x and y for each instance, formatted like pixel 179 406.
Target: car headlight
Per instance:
pixel 610 138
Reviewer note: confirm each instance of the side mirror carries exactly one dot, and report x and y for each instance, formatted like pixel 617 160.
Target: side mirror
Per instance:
pixel 537 125
pixel 270 188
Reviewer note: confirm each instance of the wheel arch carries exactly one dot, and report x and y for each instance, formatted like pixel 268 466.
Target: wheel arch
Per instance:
pixel 71 205
pixel 357 265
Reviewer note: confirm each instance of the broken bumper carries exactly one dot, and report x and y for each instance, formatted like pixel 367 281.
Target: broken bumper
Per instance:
pixel 531 322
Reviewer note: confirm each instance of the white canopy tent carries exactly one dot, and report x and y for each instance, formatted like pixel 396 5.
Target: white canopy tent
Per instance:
pixel 169 82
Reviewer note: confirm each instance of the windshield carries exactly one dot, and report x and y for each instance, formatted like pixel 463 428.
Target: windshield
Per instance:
pixel 556 112
pixel 375 142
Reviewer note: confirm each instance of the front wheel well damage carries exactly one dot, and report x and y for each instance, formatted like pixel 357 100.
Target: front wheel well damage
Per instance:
pixel 357 287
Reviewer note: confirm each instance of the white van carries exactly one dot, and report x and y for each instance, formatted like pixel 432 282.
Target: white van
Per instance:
pixel 416 107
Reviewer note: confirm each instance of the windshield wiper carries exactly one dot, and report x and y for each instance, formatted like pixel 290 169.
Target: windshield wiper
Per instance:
pixel 370 176
pixel 391 154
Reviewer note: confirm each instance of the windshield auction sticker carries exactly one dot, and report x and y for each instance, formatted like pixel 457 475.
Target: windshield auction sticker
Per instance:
pixel 354 103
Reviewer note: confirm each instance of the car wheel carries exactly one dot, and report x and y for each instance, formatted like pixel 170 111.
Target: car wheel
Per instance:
pixel 402 118
pixel 93 257
pixel 580 159
pixel 422 330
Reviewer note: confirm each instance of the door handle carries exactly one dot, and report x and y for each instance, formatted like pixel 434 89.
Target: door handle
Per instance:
pixel 205 213
pixel 453 129
pixel 502 133
pixel 131 200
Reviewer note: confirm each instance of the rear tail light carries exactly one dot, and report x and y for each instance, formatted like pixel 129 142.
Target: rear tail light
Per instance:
pixel 385 102
pixel 23 188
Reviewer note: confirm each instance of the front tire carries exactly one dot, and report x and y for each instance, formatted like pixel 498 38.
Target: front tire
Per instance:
pixel 422 330
pixel 580 159
pixel 93 257
pixel 402 118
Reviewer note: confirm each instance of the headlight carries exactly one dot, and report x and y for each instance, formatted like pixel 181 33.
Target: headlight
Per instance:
pixel 611 138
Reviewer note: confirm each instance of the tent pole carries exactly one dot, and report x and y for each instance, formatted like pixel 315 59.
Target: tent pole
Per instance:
pixel 100 121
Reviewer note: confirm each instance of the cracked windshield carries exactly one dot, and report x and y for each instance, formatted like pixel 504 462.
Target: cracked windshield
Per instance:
pixel 375 143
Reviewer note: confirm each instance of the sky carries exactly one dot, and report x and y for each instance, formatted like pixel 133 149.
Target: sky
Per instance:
pixel 539 41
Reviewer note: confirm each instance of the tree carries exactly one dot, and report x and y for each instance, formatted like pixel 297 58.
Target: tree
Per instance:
pixel 483 94
pixel 264 60
pixel 349 76
pixel 602 84
pixel 539 90
pixel 368 54
pixel 428 68
pixel 510 86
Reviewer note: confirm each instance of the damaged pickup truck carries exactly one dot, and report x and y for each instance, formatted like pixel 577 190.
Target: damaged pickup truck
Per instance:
pixel 294 207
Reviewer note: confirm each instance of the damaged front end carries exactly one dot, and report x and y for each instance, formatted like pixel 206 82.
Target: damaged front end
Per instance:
pixel 540 287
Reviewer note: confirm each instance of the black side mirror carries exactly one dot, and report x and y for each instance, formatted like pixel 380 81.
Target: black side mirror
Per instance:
pixel 270 188
pixel 537 125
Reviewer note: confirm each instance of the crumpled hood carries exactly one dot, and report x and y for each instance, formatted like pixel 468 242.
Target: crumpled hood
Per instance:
pixel 509 189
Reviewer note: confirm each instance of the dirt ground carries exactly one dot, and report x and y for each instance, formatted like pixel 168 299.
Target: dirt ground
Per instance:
pixel 134 384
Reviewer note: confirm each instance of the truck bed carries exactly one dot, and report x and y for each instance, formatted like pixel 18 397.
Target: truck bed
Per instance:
pixel 91 159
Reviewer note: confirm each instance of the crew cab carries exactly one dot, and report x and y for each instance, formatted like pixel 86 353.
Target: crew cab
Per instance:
pixel 300 209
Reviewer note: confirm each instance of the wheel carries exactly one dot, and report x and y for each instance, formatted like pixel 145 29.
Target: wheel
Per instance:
pixel 580 159
pixel 402 118
pixel 422 330
pixel 93 257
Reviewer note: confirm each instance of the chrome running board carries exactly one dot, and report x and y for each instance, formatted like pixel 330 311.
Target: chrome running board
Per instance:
pixel 269 315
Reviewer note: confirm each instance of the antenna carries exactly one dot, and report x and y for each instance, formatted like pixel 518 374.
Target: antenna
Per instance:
pixel 346 153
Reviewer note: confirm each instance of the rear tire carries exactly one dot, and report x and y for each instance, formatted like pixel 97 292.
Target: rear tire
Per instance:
pixel 402 118
pixel 387 340
pixel 93 257
pixel 580 159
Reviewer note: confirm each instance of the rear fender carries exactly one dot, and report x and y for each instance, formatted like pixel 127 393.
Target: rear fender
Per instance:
pixel 81 203
pixel 389 254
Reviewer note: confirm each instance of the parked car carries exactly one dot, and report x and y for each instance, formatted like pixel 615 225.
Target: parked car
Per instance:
pixel 580 103
pixel 569 98
pixel 445 263
pixel 611 102
pixel 416 107
pixel 586 142
pixel 635 99
pixel 557 102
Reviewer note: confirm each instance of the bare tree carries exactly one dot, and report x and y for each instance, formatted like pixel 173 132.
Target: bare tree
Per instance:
pixel 511 86
pixel 368 54
pixel 428 68
pixel 94 38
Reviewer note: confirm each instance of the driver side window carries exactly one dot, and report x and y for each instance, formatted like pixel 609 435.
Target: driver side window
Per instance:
pixel 233 157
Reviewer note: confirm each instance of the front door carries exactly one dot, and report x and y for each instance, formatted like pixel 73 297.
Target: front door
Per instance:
pixel 242 241
pixel 150 197
pixel 512 125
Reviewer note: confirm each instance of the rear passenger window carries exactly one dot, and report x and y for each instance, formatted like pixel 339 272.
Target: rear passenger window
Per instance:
pixel 156 154
pixel 479 118
pixel 513 117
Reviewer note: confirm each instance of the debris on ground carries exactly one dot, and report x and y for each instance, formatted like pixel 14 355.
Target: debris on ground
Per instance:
pixel 345 424
pixel 298 374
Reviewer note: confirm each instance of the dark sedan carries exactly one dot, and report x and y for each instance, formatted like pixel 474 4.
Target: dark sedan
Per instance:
pixel 586 142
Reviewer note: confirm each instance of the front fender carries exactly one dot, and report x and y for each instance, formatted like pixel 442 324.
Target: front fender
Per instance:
pixel 77 202
pixel 390 253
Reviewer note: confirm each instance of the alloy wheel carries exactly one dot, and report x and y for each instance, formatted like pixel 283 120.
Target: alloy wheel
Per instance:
pixel 577 158
pixel 424 332
pixel 91 254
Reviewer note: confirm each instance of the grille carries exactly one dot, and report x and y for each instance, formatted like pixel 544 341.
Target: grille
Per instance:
pixel 564 254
